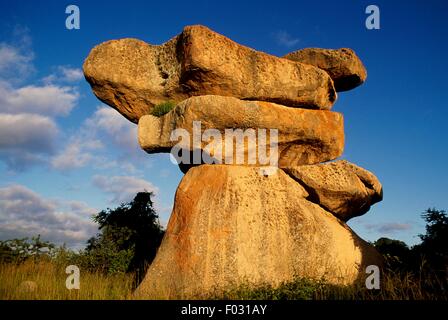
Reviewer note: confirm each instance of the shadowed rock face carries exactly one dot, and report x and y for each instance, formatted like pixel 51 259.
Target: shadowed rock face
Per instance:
pixel 304 136
pixel 230 225
pixel 340 187
pixel 132 76
pixel 343 65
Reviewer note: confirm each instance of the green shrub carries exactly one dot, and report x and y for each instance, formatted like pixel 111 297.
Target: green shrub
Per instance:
pixel 162 108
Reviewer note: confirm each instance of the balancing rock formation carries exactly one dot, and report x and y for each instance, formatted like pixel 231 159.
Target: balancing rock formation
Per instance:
pixel 305 136
pixel 233 223
pixel 132 76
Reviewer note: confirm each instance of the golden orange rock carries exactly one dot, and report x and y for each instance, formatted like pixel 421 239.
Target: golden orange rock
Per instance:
pixel 343 65
pixel 132 76
pixel 341 187
pixel 304 136
pixel 232 226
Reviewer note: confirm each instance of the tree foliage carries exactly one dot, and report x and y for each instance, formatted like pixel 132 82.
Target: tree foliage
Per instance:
pixel 395 252
pixel 434 246
pixel 129 238
pixel 429 259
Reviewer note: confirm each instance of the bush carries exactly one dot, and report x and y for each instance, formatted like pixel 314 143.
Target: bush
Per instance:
pixel 18 250
pixel 162 108
pixel 129 239
pixel 396 254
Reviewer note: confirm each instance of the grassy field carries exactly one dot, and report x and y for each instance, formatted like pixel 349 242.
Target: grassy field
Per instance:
pixel 49 279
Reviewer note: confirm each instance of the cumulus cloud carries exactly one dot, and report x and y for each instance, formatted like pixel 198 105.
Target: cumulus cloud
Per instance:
pixel 122 188
pixel 28 131
pixel 71 74
pixel 64 74
pixel 16 59
pixel 26 138
pixel 76 154
pixel 388 227
pixel 105 127
pixel 13 61
pixel 49 100
pixel 24 213
pixel 283 38
pixel 110 122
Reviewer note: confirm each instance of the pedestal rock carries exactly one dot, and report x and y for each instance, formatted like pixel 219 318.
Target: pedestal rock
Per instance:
pixel 232 226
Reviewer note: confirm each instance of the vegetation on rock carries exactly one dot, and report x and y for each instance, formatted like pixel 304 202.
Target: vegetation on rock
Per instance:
pixel 162 108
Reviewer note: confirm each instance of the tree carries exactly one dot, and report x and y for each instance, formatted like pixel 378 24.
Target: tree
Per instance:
pixel 130 236
pixel 395 252
pixel 434 246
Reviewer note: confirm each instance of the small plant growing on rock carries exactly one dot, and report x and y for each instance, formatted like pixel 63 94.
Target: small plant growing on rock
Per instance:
pixel 162 108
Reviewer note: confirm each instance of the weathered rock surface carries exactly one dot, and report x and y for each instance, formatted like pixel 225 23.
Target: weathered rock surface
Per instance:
pixel 343 65
pixel 230 225
pixel 132 76
pixel 304 136
pixel 26 287
pixel 340 187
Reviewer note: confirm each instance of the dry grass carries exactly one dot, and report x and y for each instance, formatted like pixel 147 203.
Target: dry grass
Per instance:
pixel 50 283
pixel 49 278
pixel 394 286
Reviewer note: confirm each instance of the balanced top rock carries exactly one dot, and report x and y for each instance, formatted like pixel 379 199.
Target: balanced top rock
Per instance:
pixel 232 223
pixel 132 76
pixel 343 65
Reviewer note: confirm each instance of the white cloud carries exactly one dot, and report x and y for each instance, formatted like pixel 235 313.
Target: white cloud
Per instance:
pixel 49 100
pixel 28 132
pixel 55 96
pixel 26 138
pixel 122 132
pixel 76 154
pixel 64 74
pixel 24 213
pixel 123 188
pixel 283 38
pixel 16 59
pixel 105 126
pixel 71 74
pixel 12 60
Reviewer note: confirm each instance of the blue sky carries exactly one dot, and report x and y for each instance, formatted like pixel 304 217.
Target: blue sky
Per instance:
pixel 64 155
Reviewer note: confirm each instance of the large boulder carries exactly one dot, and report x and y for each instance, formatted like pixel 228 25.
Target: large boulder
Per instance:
pixel 304 136
pixel 232 226
pixel 132 76
pixel 343 65
pixel 340 187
